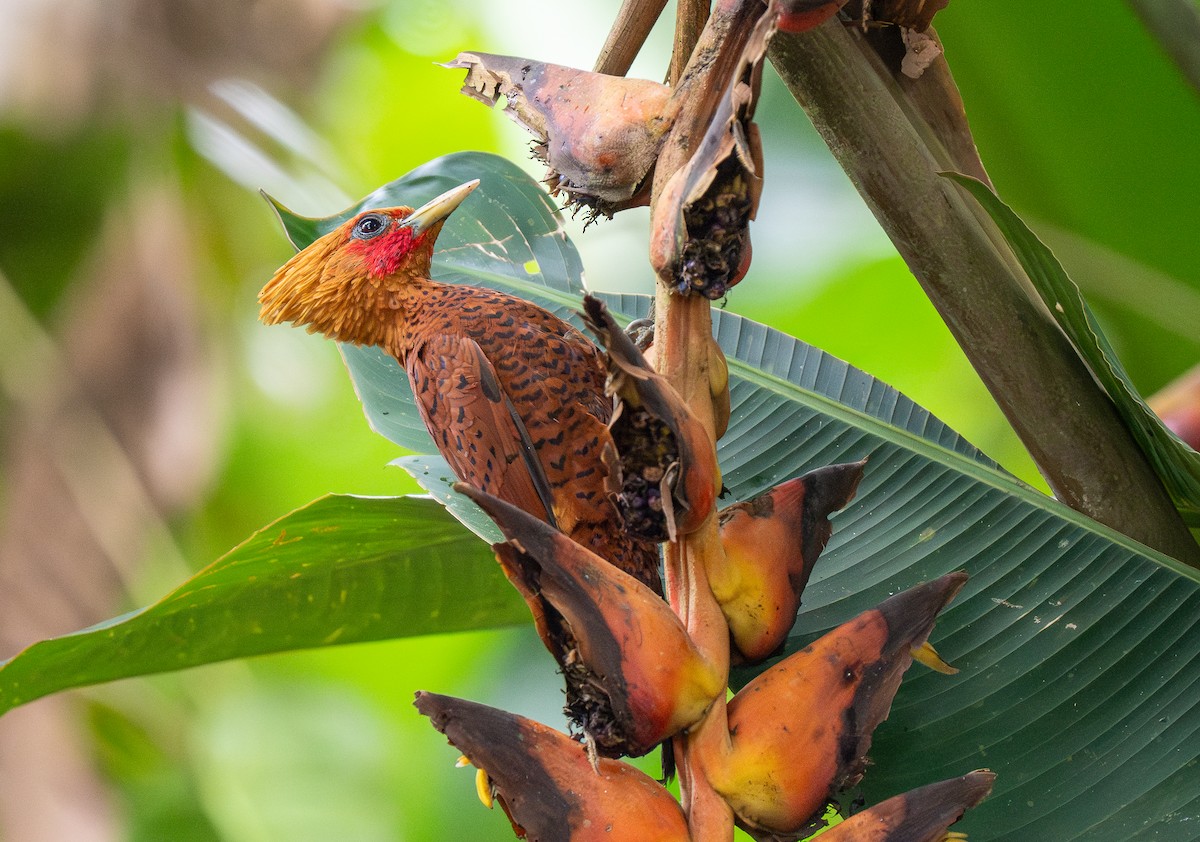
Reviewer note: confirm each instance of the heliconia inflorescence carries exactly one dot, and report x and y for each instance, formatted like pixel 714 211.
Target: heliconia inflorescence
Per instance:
pixel 587 458
pixel 798 734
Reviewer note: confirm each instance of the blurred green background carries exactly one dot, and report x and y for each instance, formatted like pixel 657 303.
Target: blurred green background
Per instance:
pixel 149 423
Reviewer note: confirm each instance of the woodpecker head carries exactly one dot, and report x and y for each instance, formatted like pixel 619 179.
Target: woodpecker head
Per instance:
pixel 348 283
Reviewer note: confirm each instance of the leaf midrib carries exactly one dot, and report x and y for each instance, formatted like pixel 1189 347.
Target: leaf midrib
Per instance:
pixel 992 477
pixel 995 478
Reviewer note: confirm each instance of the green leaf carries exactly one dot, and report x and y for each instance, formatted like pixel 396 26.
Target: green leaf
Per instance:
pixel 1077 670
pixel 1077 676
pixel 340 570
pixel 1177 464
pixel 1077 647
pixel 435 476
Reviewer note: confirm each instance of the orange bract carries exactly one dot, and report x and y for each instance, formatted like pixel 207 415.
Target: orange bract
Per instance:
pixel 801 730
pixel 771 543
pixel 546 784
pixel 634 677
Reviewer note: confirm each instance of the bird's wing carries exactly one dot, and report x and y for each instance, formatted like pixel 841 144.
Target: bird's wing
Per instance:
pixel 475 425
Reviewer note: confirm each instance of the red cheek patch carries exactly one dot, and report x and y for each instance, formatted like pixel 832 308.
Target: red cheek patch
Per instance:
pixel 384 254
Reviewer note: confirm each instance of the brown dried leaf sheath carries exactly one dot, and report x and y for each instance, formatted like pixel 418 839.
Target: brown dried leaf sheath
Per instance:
pixel 599 135
pixel 700 232
pixel 667 471
pixel 908 14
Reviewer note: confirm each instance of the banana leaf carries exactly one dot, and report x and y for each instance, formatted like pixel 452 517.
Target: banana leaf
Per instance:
pixel 1077 647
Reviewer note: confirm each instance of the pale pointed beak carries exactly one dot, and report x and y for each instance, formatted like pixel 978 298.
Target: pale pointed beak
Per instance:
pixel 433 212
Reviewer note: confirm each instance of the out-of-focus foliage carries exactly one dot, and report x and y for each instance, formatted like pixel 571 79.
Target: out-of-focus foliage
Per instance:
pixel 1176 463
pixel 1085 126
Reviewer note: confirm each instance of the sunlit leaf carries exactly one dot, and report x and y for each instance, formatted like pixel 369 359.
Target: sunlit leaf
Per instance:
pixel 1175 462
pixel 340 570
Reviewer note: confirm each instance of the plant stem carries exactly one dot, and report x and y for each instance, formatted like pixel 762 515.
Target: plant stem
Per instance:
pixel 690 18
pixel 627 36
pixel 709 816
pixel 683 336
pixel 1176 25
pixel 683 353
pixel 970 275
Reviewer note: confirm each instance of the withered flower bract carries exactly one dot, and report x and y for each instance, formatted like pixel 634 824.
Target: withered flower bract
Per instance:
pixel 633 676
pixel 666 479
pixel 700 234
pixel 599 135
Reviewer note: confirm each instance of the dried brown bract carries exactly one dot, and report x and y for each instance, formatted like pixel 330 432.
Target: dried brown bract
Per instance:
pixel 899 31
pixel 598 135
pixel 666 478
pixel 700 231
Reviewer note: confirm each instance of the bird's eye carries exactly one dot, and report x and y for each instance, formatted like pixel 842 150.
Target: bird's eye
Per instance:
pixel 371 225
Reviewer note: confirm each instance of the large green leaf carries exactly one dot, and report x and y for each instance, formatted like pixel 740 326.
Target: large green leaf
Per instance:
pixel 1077 646
pixel 1177 464
pixel 340 570
pixel 1078 671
